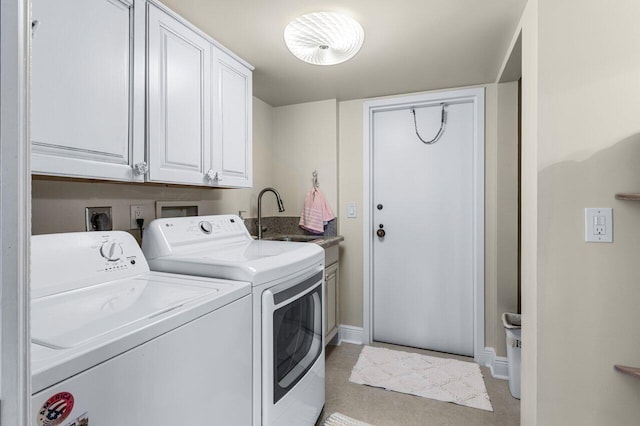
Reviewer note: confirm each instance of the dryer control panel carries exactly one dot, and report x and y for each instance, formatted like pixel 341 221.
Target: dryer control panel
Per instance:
pixel 175 235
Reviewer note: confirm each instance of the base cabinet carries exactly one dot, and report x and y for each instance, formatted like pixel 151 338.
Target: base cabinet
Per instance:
pixel 331 293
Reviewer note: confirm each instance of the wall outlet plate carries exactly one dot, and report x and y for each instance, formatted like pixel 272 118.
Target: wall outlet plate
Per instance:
pixel 98 219
pixel 136 213
pixel 598 225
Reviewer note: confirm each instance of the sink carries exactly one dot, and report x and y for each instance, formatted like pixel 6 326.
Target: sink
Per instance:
pixel 296 238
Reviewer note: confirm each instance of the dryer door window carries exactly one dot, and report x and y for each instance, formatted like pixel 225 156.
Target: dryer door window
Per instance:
pixel 297 340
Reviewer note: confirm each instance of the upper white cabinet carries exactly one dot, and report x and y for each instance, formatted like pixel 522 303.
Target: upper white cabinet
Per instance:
pixel 85 113
pixel 199 107
pixel 232 153
pixel 179 101
pixel 128 90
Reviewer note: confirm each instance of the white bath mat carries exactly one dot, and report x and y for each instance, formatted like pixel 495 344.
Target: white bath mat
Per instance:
pixel 337 419
pixel 443 379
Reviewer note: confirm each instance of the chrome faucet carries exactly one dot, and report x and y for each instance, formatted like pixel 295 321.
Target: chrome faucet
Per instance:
pixel 280 207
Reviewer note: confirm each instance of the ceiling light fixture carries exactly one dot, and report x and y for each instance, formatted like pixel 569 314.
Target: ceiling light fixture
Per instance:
pixel 324 38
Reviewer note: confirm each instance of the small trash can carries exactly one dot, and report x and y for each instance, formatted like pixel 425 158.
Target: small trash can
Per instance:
pixel 513 328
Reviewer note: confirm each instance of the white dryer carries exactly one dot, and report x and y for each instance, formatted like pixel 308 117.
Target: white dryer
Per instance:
pixel 116 344
pixel 287 280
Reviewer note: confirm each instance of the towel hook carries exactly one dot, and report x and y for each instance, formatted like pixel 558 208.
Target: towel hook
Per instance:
pixel 315 179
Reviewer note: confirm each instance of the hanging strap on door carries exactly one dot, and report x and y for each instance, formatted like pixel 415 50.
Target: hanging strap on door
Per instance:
pixel 443 120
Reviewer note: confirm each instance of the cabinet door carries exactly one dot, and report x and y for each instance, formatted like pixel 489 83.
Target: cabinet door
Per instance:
pixel 331 302
pixel 81 89
pixel 179 101
pixel 232 155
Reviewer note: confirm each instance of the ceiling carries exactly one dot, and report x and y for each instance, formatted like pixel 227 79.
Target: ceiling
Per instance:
pixel 409 46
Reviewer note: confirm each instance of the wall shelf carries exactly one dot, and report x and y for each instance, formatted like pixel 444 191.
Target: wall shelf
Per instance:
pixel 631 371
pixel 628 196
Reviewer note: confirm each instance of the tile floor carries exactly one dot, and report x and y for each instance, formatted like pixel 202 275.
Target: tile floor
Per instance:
pixel 384 408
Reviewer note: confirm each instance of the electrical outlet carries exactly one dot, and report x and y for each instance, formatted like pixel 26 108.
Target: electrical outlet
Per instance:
pixel 136 213
pixel 598 225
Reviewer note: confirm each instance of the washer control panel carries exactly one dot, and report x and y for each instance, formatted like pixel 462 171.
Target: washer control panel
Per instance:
pixel 117 254
pixel 62 262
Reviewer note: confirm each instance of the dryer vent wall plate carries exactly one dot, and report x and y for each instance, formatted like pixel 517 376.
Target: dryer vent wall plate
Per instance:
pixel 98 219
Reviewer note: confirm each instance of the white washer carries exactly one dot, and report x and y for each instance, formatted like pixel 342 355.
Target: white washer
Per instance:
pixel 287 280
pixel 116 344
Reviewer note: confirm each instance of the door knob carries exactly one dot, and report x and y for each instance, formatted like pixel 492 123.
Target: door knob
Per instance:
pixel 379 206
pixel 380 232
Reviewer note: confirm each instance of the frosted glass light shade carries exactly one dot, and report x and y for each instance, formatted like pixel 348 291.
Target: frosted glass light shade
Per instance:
pixel 324 38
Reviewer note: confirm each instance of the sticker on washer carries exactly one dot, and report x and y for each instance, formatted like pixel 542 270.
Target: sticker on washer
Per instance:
pixel 55 409
pixel 82 420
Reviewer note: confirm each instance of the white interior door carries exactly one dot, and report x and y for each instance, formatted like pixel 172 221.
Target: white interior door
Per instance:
pixel 423 196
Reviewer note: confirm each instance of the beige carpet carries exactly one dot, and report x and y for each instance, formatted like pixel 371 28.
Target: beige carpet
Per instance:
pixel 337 419
pixel 442 379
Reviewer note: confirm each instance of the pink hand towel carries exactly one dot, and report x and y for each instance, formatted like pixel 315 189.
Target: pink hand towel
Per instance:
pixel 316 212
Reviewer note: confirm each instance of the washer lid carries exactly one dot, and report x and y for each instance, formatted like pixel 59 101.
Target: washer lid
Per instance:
pixel 69 319
pixel 76 330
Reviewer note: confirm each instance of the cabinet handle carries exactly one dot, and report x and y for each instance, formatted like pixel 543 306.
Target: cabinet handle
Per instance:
pixel 140 168
pixel 211 175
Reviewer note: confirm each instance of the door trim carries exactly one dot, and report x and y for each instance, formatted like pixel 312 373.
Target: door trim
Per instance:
pixel 476 96
pixel 15 213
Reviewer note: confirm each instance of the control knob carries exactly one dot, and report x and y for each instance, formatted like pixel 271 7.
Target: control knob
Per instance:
pixel 206 227
pixel 111 251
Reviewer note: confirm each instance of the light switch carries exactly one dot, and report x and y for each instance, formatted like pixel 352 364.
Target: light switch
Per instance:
pixel 598 225
pixel 352 210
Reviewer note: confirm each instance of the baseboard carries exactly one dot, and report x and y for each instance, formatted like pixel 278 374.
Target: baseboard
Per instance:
pixel 498 365
pixel 350 334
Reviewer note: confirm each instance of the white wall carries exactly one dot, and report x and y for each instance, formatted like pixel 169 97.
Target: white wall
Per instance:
pixel 588 150
pixel 491 217
pixel 305 139
pixel 581 142
pixel 506 208
pixel 529 265
pixel 350 190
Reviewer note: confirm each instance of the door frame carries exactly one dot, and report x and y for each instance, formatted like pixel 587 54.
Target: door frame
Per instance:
pixel 477 97
pixel 15 212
